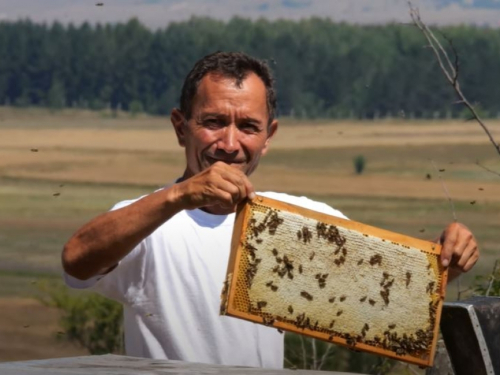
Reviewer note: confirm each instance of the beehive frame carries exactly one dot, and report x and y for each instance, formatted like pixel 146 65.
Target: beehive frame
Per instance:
pixel 292 268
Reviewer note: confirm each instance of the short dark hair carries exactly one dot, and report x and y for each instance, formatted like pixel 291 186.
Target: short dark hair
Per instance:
pixel 235 65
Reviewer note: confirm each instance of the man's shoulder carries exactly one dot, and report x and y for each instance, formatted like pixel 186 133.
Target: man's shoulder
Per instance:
pixel 305 202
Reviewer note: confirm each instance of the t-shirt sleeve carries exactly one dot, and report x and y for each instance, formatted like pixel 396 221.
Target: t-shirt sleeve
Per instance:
pixel 306 203
pixel 124 281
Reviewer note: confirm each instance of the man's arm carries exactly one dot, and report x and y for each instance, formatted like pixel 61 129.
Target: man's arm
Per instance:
pixel 99 245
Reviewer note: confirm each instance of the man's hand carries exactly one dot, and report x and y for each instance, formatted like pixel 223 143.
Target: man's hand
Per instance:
pixel 219 188
pixel 460 250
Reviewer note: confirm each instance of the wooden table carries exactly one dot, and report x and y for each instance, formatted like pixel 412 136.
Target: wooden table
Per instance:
pixel 115 364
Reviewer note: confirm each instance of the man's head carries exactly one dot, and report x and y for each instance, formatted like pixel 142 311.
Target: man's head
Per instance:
pixel 227 112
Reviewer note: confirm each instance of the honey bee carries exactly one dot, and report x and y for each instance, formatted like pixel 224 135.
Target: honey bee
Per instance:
pixel 258 240
pixel 372 302
pixel 342 298
pixel 274 288
pixel 290 309
pixel 360 262
pixel 275 252
pixel 300 268
pixel 261 304
pixel 331 300
pixel 311 257
pixel 392 326
pixel 280 330
pixel 363 299
pixel 339 312
pixel 408 278
pixel 332 323
pixel 306 295
pixel 269 283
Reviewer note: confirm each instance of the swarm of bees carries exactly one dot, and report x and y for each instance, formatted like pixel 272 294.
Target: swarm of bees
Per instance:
pixel 259 245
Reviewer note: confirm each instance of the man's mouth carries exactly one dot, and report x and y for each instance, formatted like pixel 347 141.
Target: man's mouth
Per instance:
pixel 213 160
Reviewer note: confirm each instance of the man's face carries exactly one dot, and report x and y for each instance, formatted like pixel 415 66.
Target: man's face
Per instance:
pixel 229 123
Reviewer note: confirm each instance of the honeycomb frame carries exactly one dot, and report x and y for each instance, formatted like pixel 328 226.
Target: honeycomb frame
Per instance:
pixel 293 269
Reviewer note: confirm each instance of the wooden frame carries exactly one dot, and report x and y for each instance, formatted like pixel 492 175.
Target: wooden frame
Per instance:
pixel 234 271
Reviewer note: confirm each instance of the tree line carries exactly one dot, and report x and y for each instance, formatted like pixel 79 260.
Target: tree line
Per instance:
pixel 322 68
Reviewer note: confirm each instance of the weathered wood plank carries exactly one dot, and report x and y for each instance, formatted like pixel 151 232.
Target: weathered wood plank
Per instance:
pixel 113 364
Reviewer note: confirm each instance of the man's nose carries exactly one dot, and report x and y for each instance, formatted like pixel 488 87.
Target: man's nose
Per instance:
pixel 229 139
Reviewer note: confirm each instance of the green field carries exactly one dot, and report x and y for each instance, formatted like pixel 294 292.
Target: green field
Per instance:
pixel 85 163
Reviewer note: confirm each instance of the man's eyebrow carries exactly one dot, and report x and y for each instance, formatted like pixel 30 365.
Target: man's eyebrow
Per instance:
pixel 251 119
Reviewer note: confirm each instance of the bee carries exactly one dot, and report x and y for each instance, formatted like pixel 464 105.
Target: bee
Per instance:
pixel 385 296
pixel 258 240
pixel 300 268
pixel 269 283
pixel 360 262
pixel 391 326
pixel 372 302
pixel 330 338
pixel 317 276
pixel 366 327
pixel 268 321
pixel 408 278
pixel 306 295
pixel 339 312
pixel 331 300
pixel 311 257
pixel 280 330
pixel 275 252
pixel 363 299
pixel 290 309
pixel 342 298
pixel 344 251
pixel 430 287
pixel 299 235
pixel 279 260
pixel 332 323
pixel 274 288
pixel 261 304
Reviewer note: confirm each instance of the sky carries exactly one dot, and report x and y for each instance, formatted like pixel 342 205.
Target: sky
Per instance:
pixel 159 13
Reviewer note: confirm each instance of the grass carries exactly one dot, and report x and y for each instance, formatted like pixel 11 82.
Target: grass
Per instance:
pixel 89 175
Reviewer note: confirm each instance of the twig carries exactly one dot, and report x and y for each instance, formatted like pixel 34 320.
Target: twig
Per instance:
pixel 488 169
pixel 314 354
pixel 451 73
pixel 325 355
pixel 445 191
pixel 492 279
pixel 304 354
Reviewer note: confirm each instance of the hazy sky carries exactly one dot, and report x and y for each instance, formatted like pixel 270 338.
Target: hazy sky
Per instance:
pixel 158 13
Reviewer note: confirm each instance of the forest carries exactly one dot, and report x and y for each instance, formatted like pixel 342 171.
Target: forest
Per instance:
pixel 323 69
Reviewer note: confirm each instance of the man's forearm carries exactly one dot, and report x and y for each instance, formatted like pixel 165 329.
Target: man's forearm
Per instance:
pixel 100 244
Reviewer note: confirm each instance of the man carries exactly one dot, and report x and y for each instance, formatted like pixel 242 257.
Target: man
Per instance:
pixel 164 256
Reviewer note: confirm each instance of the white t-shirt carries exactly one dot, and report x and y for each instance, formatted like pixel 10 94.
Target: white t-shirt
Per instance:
pixel 170 287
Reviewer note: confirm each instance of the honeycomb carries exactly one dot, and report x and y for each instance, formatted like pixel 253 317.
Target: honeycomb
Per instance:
pixel 335 280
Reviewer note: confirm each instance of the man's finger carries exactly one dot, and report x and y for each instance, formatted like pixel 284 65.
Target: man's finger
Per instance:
pixel 467 254
pixel 448 240
pixel 471 261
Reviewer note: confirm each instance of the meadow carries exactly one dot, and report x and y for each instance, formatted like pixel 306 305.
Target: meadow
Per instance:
pixel 58 170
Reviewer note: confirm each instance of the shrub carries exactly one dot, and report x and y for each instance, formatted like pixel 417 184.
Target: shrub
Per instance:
pixel 359 164
pixel 89 319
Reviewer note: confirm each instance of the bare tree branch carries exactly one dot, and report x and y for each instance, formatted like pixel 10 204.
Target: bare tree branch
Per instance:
pixel 325 355
pixel 488 169
pixel 451 73
pixel 304 353
pixel 492 279
pixel 314 354
pixel 445 191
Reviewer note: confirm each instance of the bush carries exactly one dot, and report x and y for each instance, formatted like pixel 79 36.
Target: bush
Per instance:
pixel 135 107
pixel 359 164
pixel 89 319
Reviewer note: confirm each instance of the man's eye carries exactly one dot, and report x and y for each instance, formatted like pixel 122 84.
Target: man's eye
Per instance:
pixel 250 128
pixel 212 122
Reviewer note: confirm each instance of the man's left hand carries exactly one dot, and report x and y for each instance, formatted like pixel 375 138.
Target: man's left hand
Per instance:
pixel 460 250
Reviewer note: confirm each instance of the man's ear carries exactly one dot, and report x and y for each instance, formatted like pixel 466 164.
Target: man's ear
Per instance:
pixel 178 121
pixel 272 128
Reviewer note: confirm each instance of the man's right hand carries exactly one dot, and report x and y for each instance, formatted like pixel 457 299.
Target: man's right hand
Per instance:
pixel 219 189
